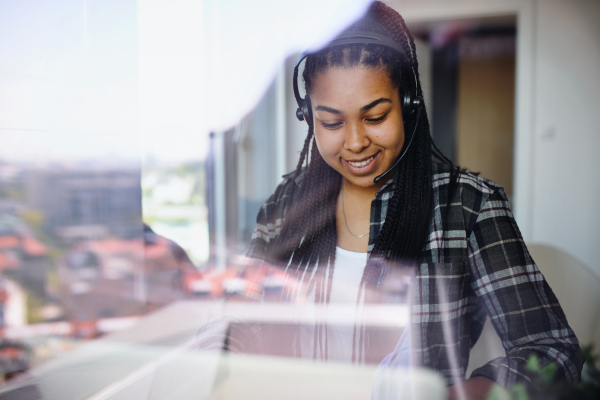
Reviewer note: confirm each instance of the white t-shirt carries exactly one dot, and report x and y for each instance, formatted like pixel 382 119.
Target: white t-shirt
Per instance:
pixel 347 274
pixel 342 313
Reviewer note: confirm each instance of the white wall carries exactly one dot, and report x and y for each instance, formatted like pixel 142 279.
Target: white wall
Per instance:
pixel 566 159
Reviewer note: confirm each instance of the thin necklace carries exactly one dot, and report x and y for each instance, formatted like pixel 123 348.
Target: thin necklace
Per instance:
pixel 345 220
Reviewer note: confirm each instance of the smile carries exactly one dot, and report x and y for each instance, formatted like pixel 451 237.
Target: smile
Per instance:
pixel 364 166
pixel 359 164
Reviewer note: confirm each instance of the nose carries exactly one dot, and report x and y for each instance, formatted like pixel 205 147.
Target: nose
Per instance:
pixel 356 138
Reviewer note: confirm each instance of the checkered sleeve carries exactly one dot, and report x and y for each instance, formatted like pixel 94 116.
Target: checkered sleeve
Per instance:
pixel 260 236
pixel 522 307
pixel 270 219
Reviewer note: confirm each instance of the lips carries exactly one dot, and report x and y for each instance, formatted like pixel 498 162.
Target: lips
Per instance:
pixel 364 166
pixel 361 163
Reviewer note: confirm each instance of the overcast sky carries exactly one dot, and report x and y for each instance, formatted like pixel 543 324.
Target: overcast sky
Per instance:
pixel 120 79
pixel 68 79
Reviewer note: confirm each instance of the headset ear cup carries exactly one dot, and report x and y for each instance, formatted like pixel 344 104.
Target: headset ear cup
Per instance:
pixel 407 105
pixel 307 111
pixel 417 103
pixel 303 112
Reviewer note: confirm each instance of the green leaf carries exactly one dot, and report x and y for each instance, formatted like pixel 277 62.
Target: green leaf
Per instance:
pixel 533 364
pixel 519 391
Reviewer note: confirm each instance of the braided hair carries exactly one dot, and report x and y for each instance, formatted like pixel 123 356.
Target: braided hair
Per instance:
pixel 308 234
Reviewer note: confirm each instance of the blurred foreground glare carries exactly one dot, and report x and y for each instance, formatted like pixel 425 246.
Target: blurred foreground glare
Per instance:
pixel 139 141
pixel 111 279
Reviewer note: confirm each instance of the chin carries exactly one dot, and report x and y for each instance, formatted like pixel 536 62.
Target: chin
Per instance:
pixel 366 181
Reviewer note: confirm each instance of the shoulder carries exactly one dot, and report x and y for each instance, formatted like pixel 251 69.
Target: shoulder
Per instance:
pixel 466 180
pixel 284 192
pixel 468 185
pixel 270 215
pixel 470 196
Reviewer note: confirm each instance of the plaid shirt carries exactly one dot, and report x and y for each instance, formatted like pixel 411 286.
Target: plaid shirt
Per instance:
pixel 475 265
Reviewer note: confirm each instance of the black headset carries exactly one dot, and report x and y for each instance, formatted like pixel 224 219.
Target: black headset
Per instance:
pixel 410 103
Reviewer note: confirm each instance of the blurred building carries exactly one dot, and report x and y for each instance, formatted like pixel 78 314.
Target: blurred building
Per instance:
pixel 122 277
pixel 86 204
pixel 99 278
pixel 25 259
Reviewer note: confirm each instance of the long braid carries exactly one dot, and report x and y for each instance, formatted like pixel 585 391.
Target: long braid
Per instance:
pixel 304 152
pixel 309 233
pixel 455 171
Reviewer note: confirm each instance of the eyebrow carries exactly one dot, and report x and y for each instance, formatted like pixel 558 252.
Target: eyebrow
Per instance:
pixel 365 108
pixel 374 103
pixel 328 109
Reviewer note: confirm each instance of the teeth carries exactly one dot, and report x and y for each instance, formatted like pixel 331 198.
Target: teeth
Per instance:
pixel 362 163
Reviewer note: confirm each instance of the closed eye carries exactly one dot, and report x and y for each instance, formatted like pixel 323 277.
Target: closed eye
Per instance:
pixel 331 126
pixel 376 121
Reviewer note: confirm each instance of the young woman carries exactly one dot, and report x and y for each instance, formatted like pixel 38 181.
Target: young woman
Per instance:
pixel 373 195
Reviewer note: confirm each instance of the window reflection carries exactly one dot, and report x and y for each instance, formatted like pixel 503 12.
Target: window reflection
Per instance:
pixel 129 268
pixel 77 260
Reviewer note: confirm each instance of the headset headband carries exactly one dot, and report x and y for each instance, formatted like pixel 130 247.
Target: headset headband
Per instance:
pixel 352 37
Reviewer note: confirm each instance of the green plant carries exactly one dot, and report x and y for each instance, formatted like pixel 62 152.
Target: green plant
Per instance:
pixel 544 378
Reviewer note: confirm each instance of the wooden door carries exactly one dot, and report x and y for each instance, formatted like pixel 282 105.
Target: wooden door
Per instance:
pixel 485 108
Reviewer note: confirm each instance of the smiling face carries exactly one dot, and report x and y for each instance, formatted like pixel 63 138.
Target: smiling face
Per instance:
pixel 358 122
